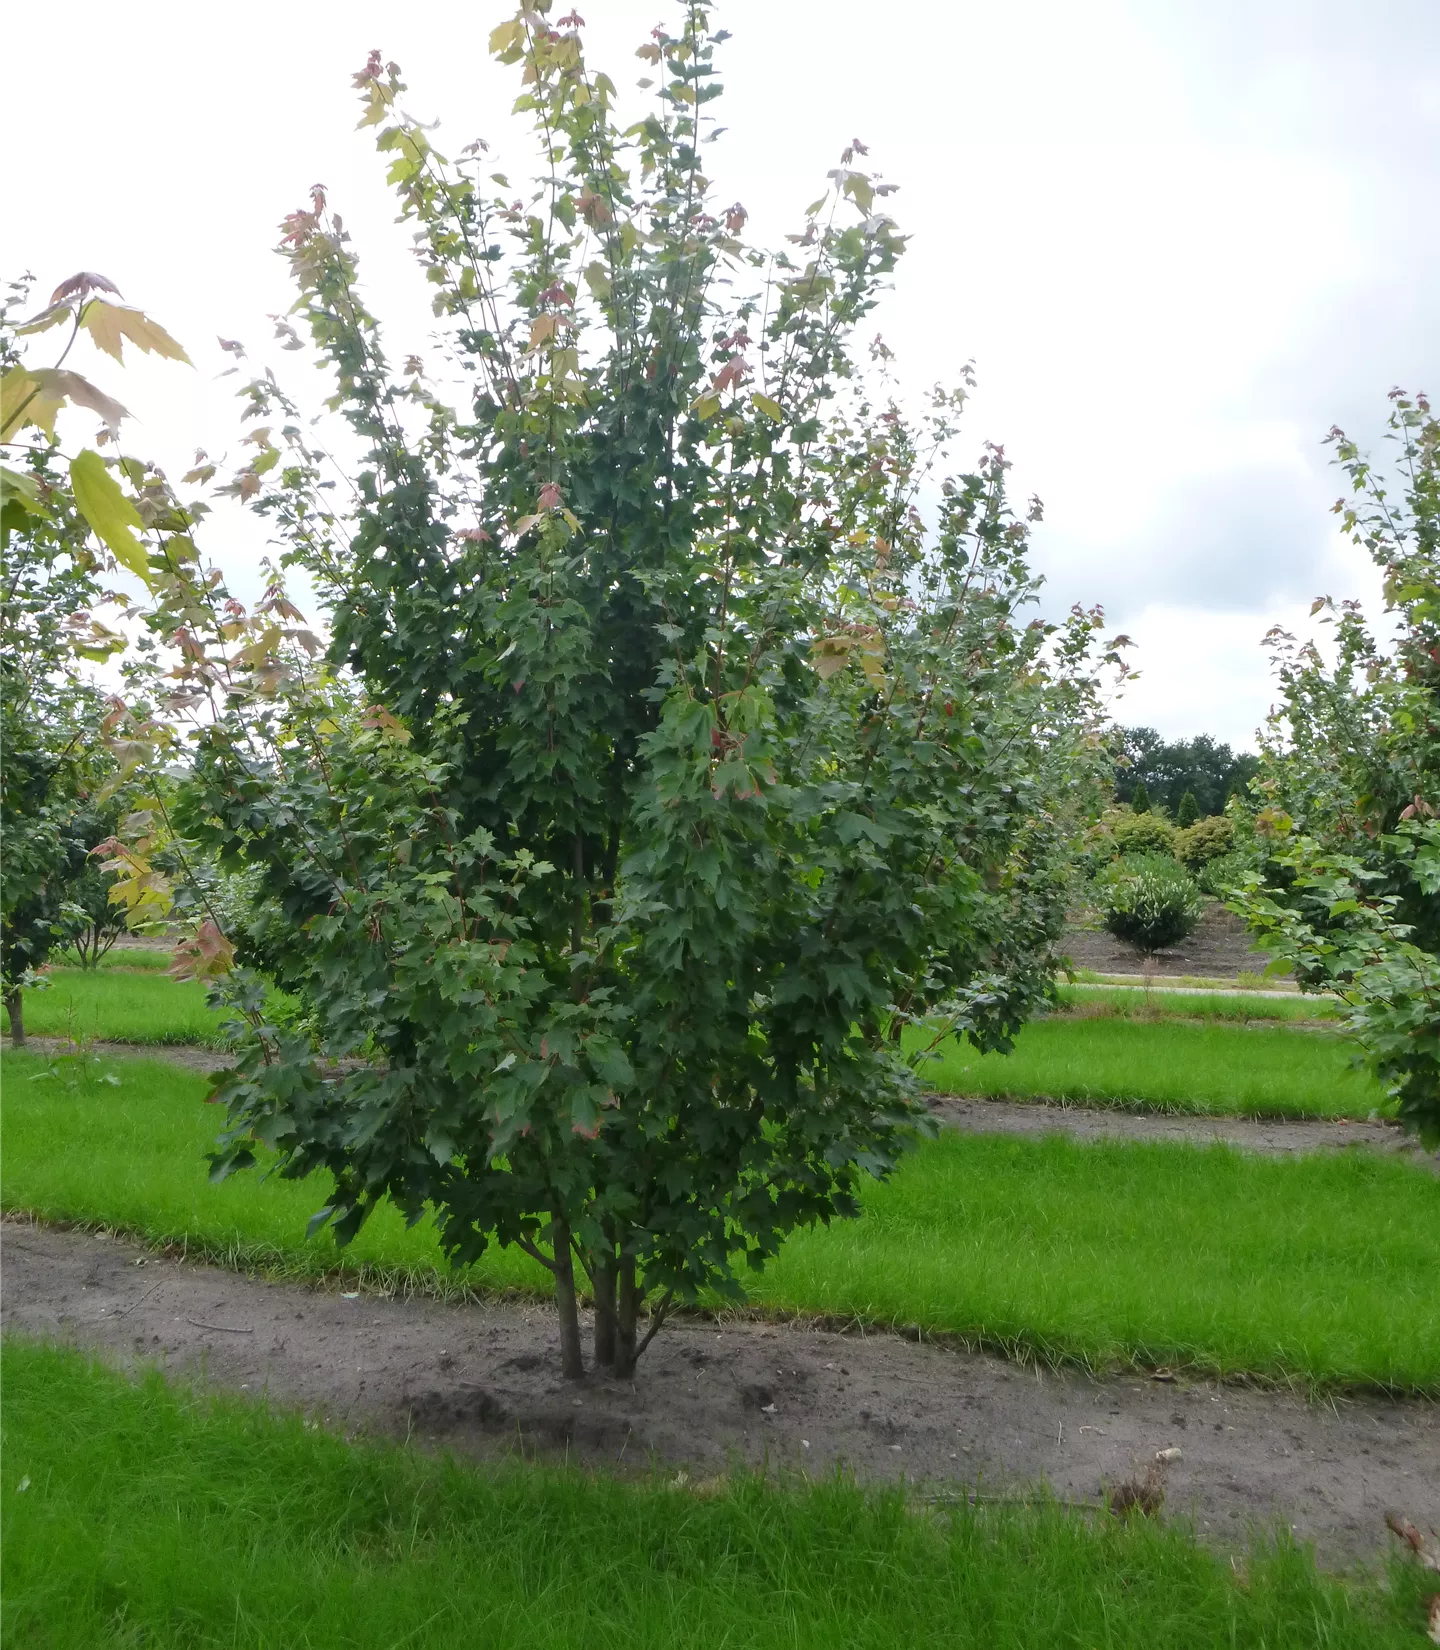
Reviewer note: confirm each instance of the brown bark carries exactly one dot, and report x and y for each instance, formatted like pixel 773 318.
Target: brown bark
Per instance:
pixel 15 1008
pixel 627 1313
pixel 572 1358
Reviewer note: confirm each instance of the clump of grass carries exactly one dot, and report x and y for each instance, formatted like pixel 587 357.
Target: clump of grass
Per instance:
pixel 1317 1271
pixel 1208 1070
pixel 155 1516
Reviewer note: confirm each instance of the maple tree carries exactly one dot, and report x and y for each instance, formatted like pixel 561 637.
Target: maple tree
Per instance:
pixel 66 525
pixel 667 784
pixel 1349 830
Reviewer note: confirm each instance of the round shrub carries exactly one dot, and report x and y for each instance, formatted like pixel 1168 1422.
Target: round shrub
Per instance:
pixel 1203 841
pixel 1146 833
pixel 1150 902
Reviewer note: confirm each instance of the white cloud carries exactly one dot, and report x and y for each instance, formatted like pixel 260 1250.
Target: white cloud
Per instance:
pixel 1179 241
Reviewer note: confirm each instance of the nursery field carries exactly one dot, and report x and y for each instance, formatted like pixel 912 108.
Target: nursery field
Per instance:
pixel 1318 1269
pixel 148 1514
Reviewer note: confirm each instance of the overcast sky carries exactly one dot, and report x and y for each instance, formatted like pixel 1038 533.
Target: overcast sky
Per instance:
pixel 1179 238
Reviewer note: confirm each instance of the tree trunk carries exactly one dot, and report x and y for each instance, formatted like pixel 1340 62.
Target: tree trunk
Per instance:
pixel 627 1313
pixel 602 1276
pixel 14 1007
pixel 572 1359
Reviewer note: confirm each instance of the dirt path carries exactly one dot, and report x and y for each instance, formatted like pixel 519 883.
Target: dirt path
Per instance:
pixel 191 1055
pixel 1279 1136
pixel 481 1380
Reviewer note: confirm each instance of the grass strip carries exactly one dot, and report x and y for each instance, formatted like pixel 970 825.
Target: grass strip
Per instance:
pixel 1135 1003
pixel 156 1516
pixel 117 1005
pixel 1203 1070
pixel 1317 1270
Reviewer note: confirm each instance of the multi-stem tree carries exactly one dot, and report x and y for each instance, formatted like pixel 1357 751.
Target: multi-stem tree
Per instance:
pixel 692 786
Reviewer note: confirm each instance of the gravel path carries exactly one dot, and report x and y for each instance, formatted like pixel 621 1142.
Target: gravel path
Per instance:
pixel 481 1380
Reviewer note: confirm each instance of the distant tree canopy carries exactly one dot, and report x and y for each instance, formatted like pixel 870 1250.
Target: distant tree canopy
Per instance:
pixel 1209 770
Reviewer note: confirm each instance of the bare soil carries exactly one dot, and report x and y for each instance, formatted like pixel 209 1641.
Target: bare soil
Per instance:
pixel 1220 948
pixel 193 1056
pixel 481 1381
pixel 1280 1135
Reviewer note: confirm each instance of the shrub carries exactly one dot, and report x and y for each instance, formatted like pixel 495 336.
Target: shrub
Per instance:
pixel 1145 833
pixel 1188 811
pixel 1221 875
pixel 1140 799
pixel 1204 840
pixel 1150 902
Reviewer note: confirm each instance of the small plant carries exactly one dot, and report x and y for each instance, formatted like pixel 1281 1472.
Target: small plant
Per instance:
pixel 1150 902
pixel 1140 800
pixel 1188 811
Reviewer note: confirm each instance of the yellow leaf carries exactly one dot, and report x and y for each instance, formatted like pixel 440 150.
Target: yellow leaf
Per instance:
pixel 505 35
pixel 109 512
pixel 110 324
pixel 22 403
pixel 46 319
pixel 706 406
pixel 598 280
pixel 771 409
pixel 830 655
pixel 541 328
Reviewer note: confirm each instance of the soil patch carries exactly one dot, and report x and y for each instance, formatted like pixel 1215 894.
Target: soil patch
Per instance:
pixel 481 1380
pixel 191 1055
pixel 1220 948
pixel 1280 1135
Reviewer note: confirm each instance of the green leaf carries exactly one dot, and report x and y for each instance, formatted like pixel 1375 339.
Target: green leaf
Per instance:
pixel 22 489
pixel 109 512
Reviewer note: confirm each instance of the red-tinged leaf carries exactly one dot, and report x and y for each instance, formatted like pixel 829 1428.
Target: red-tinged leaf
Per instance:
pixel 205 956
pixel 549 495
pixel 81 286
pixel 61 386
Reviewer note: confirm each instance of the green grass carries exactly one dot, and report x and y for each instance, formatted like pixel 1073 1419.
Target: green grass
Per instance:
pixel 1216 1070
pixel 146 958
pixel 153 1516
pixel 1133 1003
pixel 118 1005
pixel 1318 1269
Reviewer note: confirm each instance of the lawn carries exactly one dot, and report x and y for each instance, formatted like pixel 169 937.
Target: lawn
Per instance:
pixel 1255 1071
pixel 142 1514
pixel 1319 1268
